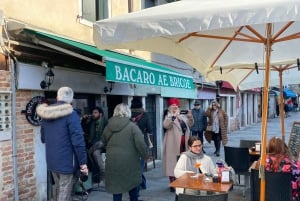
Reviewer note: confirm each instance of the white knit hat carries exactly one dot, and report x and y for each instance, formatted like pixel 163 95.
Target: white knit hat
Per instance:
pixel 65 94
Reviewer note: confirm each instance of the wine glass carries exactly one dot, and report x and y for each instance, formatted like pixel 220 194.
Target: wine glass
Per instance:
pixel 197 165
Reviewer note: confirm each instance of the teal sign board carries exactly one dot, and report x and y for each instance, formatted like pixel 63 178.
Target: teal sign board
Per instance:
pixel 119 72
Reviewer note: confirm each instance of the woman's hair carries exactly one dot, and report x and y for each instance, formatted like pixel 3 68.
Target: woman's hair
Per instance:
pixel 278 149
pixel 277 146
pixel 122 110
pixel 192 139
pixel 214 102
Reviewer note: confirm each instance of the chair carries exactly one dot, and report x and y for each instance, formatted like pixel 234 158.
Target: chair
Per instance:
pixel 239 159
pixel 211 197
pixel 248 143
pixel 278 186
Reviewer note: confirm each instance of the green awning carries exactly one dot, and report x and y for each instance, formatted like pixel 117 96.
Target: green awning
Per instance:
pixel 127 69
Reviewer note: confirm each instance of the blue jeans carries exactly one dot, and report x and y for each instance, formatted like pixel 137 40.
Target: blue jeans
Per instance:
pixel 133 194
pixel 199 134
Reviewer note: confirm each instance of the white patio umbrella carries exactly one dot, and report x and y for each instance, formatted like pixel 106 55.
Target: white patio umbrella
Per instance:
pixel 213 34
pixel 279 76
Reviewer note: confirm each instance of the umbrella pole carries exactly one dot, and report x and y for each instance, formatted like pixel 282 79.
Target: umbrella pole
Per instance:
pixel 265 112
pixel 281 105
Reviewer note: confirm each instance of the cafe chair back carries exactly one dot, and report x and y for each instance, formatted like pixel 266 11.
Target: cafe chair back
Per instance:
pixel 239 159
pixel 248 143
pixel 278 186
pixel 210 197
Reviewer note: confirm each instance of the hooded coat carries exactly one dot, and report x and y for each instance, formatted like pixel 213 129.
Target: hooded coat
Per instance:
pixel 63 136
pixel 125 145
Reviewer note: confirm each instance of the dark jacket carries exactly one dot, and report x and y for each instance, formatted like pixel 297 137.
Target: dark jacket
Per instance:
pixel 142 119
pixel 63 136
pixel 125 145
pixel 200 120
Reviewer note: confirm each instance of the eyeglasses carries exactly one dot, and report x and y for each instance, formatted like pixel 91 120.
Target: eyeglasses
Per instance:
pixel 214 105
pixel 198 145
pixel 196 104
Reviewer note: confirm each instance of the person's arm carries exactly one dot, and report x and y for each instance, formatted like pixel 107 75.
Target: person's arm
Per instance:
pixel 77 140
pixel 212 167
pixel 168 121
pixel 42 133
pixel 139 141
pixel 204 119
pixel 149 125
pixel 180 168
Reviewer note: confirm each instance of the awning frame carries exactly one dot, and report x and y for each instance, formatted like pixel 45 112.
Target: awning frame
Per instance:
pixel 112 60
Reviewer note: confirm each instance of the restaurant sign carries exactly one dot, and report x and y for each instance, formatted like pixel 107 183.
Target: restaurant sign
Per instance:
pixel 138 74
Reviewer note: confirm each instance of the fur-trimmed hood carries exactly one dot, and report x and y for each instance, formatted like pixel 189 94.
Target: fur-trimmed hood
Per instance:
pixel 54 111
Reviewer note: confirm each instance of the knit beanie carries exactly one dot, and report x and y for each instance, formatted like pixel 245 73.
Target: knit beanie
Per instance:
pixel 173 101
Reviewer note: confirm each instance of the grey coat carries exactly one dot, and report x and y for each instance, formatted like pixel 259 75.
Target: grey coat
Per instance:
pixel 125 145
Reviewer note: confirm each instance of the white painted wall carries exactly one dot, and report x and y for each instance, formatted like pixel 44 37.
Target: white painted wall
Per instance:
pixel 30 76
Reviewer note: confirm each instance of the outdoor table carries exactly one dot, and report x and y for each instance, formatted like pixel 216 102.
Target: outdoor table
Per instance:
pixel 186 181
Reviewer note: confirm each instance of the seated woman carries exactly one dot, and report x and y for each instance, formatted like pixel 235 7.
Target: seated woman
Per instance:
pixel 186 163
pixel 279 159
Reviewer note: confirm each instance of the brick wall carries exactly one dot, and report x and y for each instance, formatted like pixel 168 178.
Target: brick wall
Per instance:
pixel 25 144
pixel 25 151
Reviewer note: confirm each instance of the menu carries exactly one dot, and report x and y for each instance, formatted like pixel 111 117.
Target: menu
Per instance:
pixel 294 142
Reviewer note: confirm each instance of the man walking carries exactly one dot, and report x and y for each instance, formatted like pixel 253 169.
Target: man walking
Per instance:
pixel 200 121
pixel 63 137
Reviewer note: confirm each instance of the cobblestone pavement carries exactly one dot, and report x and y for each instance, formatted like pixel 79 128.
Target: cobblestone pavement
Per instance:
pixel 157 183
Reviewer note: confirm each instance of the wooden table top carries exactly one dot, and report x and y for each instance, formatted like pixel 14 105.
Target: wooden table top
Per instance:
pixel 188 182
pixel 254 153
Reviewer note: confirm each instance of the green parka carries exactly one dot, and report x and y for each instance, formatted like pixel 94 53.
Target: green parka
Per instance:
pixel 124 144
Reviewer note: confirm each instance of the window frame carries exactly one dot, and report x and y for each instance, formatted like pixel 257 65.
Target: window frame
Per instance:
pixel 86 21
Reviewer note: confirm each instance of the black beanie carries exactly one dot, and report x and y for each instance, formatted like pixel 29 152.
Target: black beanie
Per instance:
pixel 136 103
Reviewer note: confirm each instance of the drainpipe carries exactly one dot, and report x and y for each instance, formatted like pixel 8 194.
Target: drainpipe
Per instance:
pixel 14 133
pixel 13 114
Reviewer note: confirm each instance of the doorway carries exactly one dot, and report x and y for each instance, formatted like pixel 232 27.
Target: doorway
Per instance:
pixel 112 101
pixel 151 110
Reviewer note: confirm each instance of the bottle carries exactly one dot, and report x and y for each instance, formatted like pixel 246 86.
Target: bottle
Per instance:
pixel 220 166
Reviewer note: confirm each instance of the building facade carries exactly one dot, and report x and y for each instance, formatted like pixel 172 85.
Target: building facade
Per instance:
pixel 33 34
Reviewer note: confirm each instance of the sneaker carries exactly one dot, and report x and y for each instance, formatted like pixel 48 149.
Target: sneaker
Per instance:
pixel 217 154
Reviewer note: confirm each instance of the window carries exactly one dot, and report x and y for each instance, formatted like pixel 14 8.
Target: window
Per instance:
pixel 93 10
pixel 149 3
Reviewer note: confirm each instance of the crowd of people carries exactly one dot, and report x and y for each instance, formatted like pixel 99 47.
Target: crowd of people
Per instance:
pixel 75 145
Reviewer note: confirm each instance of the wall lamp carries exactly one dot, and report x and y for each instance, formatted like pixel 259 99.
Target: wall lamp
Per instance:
pixel 49 76
pixel 106 89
